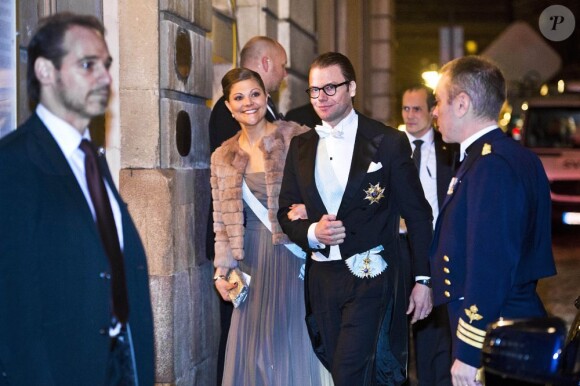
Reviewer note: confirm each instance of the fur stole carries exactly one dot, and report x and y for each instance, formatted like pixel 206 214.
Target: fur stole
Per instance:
pixel 228 164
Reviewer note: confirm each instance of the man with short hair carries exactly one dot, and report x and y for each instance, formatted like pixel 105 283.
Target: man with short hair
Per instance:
pixel 492 241
pixel 435 161
pixel 355 177
pixel 75 305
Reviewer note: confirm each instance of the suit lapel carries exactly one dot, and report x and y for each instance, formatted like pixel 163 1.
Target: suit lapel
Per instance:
pixel 365 146
pixel 446 161
pixel 47 155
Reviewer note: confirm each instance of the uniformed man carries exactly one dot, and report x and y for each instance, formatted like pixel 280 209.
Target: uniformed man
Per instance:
pixel 492 239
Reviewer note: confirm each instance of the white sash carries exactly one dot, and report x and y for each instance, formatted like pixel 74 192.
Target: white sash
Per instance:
pixel 262 213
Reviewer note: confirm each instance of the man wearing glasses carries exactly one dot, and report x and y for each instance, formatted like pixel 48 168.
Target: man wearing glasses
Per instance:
pixel 355 178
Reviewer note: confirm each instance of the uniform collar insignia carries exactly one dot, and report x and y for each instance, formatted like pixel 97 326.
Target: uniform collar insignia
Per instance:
pixel 486 149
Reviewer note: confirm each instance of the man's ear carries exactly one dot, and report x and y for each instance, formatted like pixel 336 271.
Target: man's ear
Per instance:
pixel 265 63
pixel 461 104
pixel 44 70
pixel 352 88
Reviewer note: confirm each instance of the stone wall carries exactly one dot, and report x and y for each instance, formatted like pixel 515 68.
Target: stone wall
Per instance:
pixel 166 74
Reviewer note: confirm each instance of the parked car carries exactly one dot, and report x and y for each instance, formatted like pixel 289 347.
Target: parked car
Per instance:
pixel 551 128
pixel 532 352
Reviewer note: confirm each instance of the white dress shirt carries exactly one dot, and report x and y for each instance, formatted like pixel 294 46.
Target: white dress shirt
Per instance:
pixel 68 139
pixel 340 152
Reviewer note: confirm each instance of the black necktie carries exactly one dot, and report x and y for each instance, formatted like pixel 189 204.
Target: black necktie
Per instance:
pixel 272 106
pixel 107 230
pixel 417 153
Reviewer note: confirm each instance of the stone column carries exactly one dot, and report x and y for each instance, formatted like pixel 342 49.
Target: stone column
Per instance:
pixel 165 82
pixel 297 33
pixel 379 97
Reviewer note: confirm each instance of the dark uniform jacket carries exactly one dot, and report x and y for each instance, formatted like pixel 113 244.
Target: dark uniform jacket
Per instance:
pixel 492 241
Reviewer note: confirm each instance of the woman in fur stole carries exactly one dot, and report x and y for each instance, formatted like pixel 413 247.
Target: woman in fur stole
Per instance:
pixel 268 344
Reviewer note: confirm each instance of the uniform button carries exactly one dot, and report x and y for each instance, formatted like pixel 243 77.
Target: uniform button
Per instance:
pixel 105 275
pixel 446 258
pixel 447 281
pixel 102 331
pixel 447 294
pixel 446 270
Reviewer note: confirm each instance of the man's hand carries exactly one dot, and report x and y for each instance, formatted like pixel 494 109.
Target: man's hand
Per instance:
pixel 463 374
pixel 329 230
pixel 420 302
pixel 297 212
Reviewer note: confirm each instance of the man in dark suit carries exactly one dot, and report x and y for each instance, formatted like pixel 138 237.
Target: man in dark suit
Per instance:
pixel 492 240
pixel 355 177
pixel 72 313
pixel 436 163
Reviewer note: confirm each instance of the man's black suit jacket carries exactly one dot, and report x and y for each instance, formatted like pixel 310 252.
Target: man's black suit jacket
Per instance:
pixel 55 291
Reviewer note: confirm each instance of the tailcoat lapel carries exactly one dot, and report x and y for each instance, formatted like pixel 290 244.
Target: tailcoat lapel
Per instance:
pixel 365 147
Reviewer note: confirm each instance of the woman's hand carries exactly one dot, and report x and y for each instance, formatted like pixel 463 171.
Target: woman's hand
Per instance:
pixel 223 286
pixel 297 212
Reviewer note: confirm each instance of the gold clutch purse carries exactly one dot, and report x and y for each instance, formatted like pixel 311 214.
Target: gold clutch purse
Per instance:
pixel 240 293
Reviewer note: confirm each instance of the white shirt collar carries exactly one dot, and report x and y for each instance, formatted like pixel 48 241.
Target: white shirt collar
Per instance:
pixel 67 137
pixel 474 137
pixel 427 138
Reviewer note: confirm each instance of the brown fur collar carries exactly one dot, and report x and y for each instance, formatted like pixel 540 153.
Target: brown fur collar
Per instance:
pixel 228 164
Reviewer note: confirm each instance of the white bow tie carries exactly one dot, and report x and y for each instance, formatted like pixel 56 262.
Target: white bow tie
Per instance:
pixel 325 131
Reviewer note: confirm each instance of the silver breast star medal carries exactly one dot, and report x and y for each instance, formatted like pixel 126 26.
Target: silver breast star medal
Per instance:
pixel 374 193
